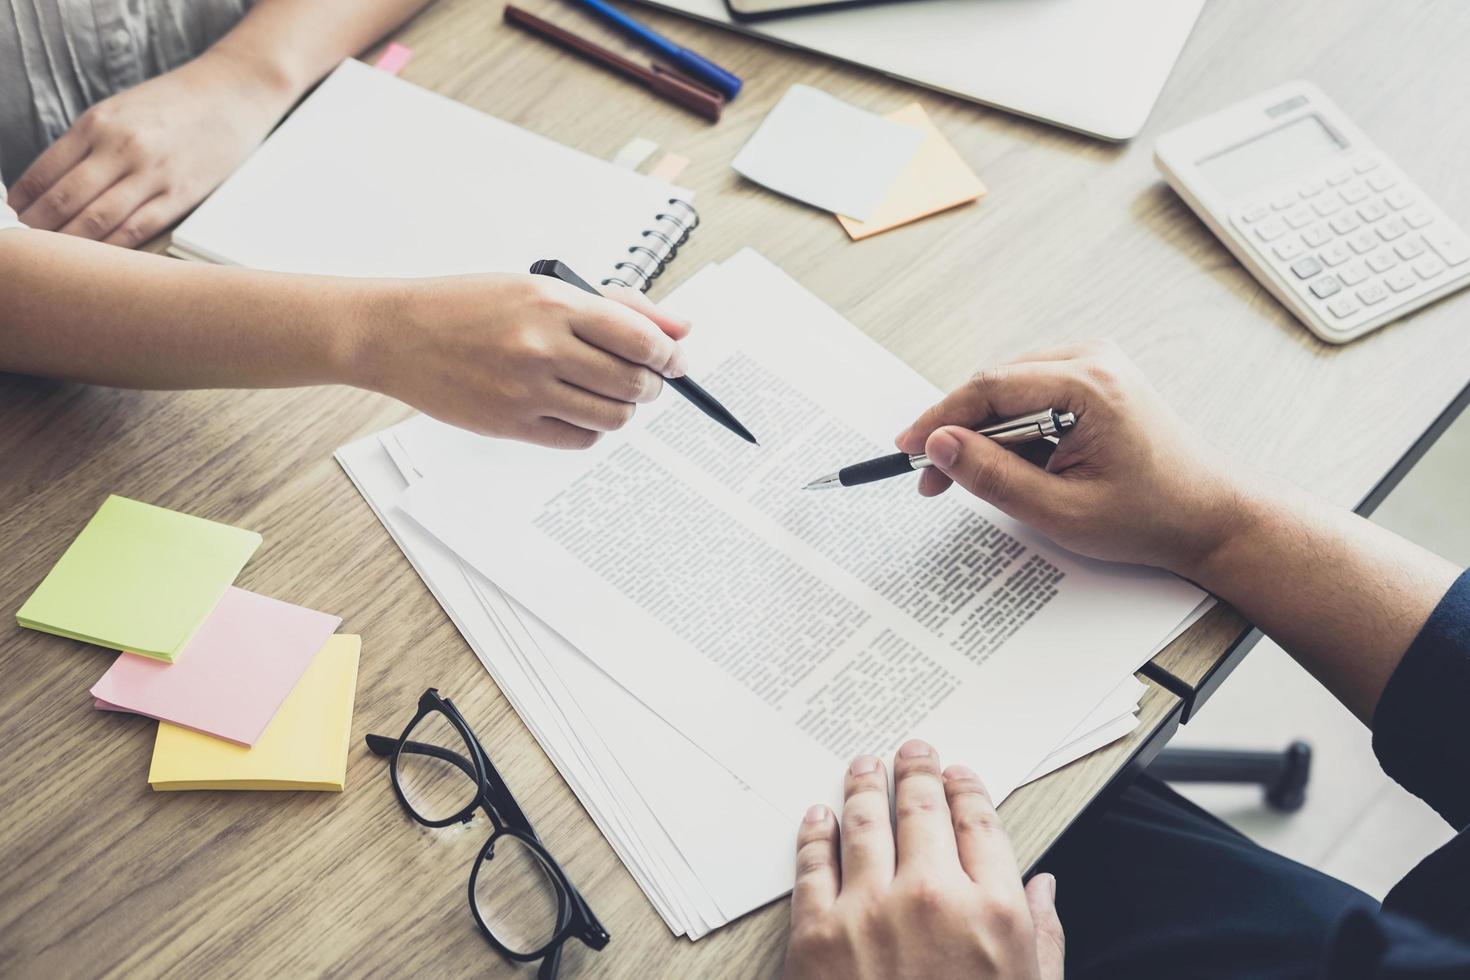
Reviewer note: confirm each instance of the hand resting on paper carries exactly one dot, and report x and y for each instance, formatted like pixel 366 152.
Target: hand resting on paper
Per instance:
pixel 940 898
pixel 523 357
pixel 1130 483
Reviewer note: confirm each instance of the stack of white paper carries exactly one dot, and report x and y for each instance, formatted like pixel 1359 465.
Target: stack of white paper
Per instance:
pixel 724 642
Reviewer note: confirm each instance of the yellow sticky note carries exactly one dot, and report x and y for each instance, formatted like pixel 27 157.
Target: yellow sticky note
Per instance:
pixel 139 578
pixel 304 746
pixel 935 180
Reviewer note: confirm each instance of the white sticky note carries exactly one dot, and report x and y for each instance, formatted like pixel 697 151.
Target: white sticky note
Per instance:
pixel 828 153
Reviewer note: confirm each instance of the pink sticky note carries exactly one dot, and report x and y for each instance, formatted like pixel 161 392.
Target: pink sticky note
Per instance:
pixel 670 167
pixel 231 676
pixel 393 58
pixel 102 705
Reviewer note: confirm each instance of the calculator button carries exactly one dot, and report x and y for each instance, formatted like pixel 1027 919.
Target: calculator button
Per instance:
pixel 1451 246
pixel 1335 254
pixel 1283 201
pixel 1310 186
pixel 1399 280
pixel 1299 217
pixel 1417 217
pixel 1372 293
pixel 1352 273
pixel 1288 249
pixel 1363 241
pixel 1340 176
pixel 1398 199
pixel 1392 228
pixel 1410 248
pixel 1326 205
pixel 1428 267
pixel 1307 267
pixel 1271 229
pixel 1253 212
pixel 1372 211
pixel 1326 286
pixel 1354 192
pixel 1343 306
pixel 1344 223
pixel 1316 236
pixel 1382 260
pixel 1381 181
pixel 1364 164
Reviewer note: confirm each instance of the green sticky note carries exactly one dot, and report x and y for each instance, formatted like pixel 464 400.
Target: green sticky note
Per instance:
pixel 139 578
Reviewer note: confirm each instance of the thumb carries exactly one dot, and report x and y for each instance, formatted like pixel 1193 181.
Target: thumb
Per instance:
pixel 990 471
pixel 1051 945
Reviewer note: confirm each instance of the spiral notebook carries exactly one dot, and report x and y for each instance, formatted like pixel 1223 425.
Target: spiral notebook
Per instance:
pixel 374 176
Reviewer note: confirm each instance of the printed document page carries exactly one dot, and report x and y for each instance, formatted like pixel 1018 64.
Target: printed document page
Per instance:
pixel 785 630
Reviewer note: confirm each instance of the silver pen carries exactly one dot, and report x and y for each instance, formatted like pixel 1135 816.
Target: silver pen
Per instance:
pixel 1027 428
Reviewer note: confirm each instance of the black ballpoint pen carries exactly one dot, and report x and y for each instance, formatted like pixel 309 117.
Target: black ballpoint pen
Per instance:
pixel 1027 428
pixel 685 386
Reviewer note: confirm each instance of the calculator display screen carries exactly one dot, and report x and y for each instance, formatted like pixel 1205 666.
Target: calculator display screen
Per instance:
pixel 1301 145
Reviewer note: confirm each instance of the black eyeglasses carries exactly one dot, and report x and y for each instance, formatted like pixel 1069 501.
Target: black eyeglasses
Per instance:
pixel 521 898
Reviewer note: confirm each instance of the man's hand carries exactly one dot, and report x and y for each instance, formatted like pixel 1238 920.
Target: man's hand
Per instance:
pixel 135 163
pixel 1128 483
pixel 521 357
pixel 941 898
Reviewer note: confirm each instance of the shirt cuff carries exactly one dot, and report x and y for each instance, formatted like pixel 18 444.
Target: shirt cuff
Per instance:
pixel 1421 728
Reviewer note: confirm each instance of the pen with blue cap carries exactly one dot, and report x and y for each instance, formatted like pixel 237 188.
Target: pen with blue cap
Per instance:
pixel 691 64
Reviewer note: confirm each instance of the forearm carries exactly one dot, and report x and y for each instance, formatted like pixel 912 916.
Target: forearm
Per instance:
pixel 291 44
pixel 1340 594
pixel 82 311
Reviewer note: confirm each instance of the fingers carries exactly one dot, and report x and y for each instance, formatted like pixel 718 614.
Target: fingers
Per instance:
pixel 632 336
pixel 867 836
pixel 588 411
pixel 995 474
pixel 984 849
pixel 145 222
pixel 1015 389
pixel 925 836
pixel 816 865
pixel 59 158
pixel 69 195
pixel 603 374
pixel 102 217
pixel 672 324
pixel 557 434
pixel 1051 943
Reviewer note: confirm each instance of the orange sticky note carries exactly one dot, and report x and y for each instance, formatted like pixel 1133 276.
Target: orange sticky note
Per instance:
pixel 935 180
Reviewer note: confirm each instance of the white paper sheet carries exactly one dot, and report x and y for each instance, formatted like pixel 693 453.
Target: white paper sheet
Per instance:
pixel 828 153
pixel 735 849
pixel 374 176
pixel 743 713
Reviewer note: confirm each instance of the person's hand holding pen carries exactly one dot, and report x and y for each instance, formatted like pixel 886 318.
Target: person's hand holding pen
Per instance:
pixel 1128 482
pixel 521 357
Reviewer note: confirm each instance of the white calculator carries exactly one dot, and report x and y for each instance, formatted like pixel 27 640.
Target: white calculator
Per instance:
pixel 1315 211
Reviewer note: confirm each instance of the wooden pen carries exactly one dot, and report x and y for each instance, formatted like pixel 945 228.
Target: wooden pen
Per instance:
pixel 663 81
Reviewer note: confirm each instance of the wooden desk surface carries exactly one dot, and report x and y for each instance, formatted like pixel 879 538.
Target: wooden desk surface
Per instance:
pixel 1076 239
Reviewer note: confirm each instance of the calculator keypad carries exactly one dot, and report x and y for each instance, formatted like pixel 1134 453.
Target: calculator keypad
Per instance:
pixel 1355 241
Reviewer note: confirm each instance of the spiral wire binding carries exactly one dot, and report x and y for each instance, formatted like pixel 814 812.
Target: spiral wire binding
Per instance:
pixel 657 248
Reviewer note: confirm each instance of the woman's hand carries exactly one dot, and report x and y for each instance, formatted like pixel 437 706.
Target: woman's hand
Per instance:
pixel 1129 482
pixel 941 898
pixel 133 164
pixel 521 357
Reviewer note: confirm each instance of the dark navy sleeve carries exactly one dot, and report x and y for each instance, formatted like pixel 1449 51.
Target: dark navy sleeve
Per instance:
pixel 1421 728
